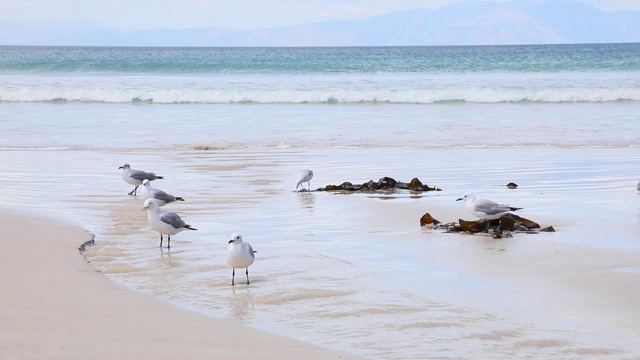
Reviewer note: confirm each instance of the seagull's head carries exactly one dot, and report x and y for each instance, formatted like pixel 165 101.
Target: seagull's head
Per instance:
pixel 125 167
pixel 150 204
pixel 146 183
pixel 235 238
pixel 466 197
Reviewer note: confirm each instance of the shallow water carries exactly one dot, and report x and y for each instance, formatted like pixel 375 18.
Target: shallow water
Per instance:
pixel 356 271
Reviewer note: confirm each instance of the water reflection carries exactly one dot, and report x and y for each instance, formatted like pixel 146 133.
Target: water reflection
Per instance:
pixel 241 303
pixel 306 199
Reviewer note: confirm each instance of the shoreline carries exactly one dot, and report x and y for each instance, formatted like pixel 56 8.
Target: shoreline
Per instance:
pixel 54 304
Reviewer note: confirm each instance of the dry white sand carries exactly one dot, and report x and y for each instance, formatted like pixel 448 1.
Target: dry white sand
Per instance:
pixel 54 305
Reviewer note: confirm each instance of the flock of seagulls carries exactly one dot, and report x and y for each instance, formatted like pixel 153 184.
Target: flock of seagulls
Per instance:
pixel 240 254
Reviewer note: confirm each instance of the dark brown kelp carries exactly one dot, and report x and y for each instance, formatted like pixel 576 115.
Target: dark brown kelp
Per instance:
pixel 385 183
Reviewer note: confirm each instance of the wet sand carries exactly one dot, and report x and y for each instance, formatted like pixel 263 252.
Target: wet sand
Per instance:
pixel 54 305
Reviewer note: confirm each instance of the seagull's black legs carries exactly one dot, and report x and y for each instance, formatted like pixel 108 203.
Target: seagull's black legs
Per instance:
pixel 233 276
pixel 168 241
pixel 133 192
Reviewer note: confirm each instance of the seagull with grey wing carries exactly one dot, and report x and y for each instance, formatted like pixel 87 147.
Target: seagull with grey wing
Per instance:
pixel 164 222
pixel 136 177
pixel 162 198
pixel 240 255
pixel 485 209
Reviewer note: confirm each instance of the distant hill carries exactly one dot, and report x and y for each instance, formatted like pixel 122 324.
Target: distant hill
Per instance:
pixel 463 23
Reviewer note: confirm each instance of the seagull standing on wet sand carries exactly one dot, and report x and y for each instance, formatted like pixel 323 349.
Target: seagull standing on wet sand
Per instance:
pixel 305 176
pixel 164 222
pixel 239 255
pixel 136 177
pixel 485 209
pixel 162 198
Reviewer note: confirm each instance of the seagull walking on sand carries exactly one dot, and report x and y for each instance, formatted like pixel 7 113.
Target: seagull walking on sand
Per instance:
pixel 136 177
pixel 485 209
pixel 305 176
pixel 164 222
pixel 239 255
pixel 162 198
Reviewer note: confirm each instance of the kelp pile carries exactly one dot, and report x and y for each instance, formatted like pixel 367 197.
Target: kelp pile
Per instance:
pixel 385 183
pixel 498 228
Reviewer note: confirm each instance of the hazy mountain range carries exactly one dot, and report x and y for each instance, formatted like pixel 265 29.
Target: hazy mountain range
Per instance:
pixel 464 23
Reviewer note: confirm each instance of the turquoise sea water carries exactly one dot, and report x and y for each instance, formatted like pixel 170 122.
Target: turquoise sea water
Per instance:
pixel 422 75
pixel 229 128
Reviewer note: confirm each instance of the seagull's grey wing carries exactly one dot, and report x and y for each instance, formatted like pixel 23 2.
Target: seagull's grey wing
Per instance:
pixel 172 219
pixel 141 175
pixel 501 209
pixel 490 207
pixel 249 248
pixel 161 195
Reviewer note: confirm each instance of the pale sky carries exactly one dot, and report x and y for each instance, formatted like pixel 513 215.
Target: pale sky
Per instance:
pixel 233 14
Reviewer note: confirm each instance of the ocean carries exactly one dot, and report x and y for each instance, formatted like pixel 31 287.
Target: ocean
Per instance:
pixel 230 128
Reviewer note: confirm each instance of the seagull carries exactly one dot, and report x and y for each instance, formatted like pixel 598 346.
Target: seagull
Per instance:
pixel 638 188
pixel 162 198
pixel 164 222
pixel 239 255
pixel 135 177
pixel 485 209
pixel 305 176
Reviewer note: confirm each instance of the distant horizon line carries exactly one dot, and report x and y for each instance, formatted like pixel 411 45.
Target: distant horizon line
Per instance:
pixel 314 46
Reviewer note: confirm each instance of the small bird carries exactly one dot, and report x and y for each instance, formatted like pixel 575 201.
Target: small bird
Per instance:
pixel 164 222
pixel 305 176
pixel 239 255
pixel 485 209
pixel 162 198
pixel 638 188
pixel 136 177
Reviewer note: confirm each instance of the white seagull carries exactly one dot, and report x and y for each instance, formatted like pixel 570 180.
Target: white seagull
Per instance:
pixel 305 176
pixel 136 177
pixel 162 198
pixel 485 209
pixel 239 255
pixel 164 222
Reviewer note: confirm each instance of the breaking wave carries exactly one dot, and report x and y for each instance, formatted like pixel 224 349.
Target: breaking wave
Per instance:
pixel 63 95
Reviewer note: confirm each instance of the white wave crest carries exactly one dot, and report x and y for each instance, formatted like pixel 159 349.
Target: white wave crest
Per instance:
pixel 63 94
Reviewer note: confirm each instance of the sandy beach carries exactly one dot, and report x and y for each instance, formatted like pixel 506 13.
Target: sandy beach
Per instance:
pixel 54 305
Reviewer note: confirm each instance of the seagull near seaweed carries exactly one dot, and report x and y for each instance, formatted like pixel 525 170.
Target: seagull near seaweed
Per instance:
pixel 305 176
pixel 164 222
pixel 162 198
pixel 485 209
pixel 136 177
pixel 239 255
